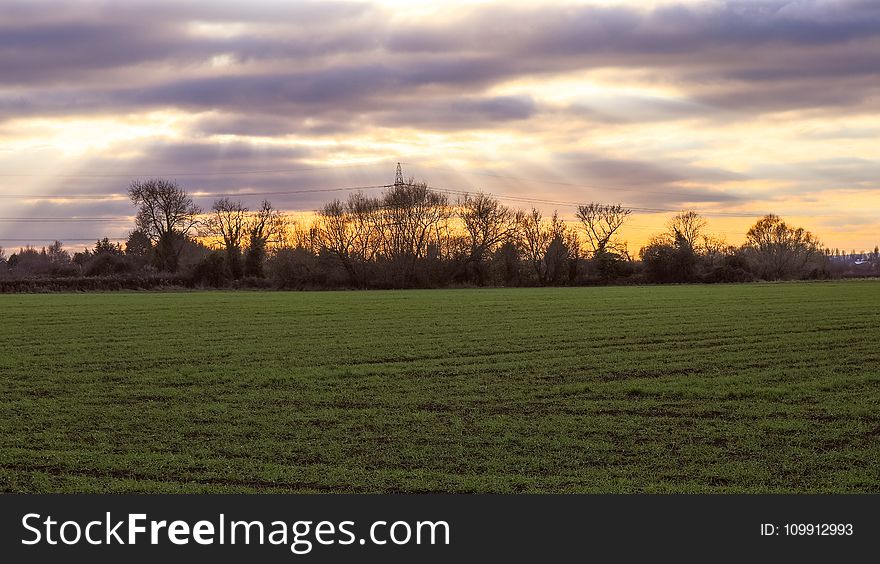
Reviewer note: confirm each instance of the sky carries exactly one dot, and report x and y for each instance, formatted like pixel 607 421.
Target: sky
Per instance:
pixel 732 108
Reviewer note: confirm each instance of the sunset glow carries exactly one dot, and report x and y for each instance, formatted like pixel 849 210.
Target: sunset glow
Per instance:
pixel 724 107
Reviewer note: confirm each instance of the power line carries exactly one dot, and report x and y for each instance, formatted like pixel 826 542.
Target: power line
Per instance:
pixel 453 191
pixel 201 194
pixel 204 194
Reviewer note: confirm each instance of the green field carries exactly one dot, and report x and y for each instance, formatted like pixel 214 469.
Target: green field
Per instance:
pixel 736 388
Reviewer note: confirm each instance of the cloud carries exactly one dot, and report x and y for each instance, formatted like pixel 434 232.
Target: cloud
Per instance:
pixel 850 173
pixel 320 56
pixel 270 125
pixel 627 172
pixel 836 133
pixel 462 113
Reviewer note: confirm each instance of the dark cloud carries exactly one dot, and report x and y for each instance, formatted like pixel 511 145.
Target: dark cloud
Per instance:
pixel 758 56
pixel 632 173
pixel 460 113
pixel 268 125
pixel 500 108
pixel 840 97
pixel 824 174
pixel 849 172
pixel 276 91
pixel 636 109
pixel 167 157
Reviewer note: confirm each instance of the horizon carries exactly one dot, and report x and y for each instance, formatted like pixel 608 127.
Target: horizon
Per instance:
pixel 727 108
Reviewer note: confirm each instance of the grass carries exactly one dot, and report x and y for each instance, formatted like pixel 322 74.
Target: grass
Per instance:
pixel 735 388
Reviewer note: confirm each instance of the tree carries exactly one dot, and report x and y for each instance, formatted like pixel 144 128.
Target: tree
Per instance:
pixel 777 250
pixel 52 260
pixel 556 259
pixel 211 270
pixel 410 216
pixel 350 231
pixel 715 249
pixel 138 244
pixel 104 246
pixel 336 233
pixel 228 223
pixel 506 264
pixel 266 225
pixel 29 261
pixel 573 243
pixel 167 214
pixel 537 235
pixel 488 224
pixel 667 261
pixel 689 225
pixel 601 222
pixel 56 253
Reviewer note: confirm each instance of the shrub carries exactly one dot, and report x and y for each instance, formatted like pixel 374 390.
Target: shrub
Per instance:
pixel 211 271
pixel 610 265
pixel 292 269
pixel 92 284
pixel 252 282
pixel 254 257
pixel 733 268
pixel 670 260
pixel 106 264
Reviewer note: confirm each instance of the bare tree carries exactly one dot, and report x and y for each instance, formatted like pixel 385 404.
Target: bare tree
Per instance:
pixel 537 235
pixel 350 231
pixel 265 226
pixel 778 250
pixel 409 218
pixel 228 223
pixel 690 225
pixel 336 234
pixel 364 212
pixel 715 248
pixel 534 241
pixel 488 224
pixel 167 214
pixel 303 236
pixel 601 222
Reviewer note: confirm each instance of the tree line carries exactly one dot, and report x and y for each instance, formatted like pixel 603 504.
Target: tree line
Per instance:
pixel 411 236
